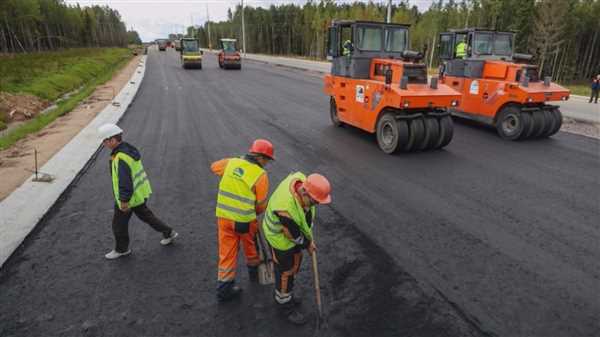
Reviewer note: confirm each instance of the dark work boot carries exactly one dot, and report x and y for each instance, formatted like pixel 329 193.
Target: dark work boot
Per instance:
pixel 253 274
pixel 228 291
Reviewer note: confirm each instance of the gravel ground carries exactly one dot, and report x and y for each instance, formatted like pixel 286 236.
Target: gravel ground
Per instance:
pixel 581 128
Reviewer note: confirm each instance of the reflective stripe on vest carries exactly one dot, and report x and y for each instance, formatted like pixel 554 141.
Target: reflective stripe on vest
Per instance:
pixel 283 200
pixel 236 201
pixel 141 185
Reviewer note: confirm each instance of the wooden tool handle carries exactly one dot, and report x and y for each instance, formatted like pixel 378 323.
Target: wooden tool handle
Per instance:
pixel 317 286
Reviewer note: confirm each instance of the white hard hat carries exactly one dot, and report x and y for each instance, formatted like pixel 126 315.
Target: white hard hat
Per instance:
pixel 109 130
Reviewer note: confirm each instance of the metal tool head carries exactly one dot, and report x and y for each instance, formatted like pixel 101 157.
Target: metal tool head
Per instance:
pixel 266 275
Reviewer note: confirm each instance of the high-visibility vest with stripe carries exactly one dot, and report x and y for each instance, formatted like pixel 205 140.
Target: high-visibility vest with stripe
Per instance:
pixel 283 200
pixel 236 201
pixel 141 185
pixel 461 50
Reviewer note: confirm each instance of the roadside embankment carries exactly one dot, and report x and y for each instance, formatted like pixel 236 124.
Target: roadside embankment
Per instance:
pixel 30 83
pixel 48 132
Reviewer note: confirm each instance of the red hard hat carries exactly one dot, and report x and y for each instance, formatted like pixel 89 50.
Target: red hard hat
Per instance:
pixel 318 188
pixel 264 147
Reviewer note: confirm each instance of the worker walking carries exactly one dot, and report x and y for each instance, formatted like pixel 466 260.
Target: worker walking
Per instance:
pixel 287 226
pixel 595 89
pixel 242 196
pixel 131 190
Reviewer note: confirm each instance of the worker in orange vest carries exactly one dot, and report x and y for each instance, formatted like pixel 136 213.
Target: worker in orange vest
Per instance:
pixel 242 196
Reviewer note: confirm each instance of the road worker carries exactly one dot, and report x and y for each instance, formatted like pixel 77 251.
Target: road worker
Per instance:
pixel 461 49
pixel 242 196
pixel 347 48
pixel 131 189
pixel 287 226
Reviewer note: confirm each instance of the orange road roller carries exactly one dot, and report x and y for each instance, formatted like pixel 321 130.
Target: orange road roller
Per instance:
pixel 378 85
pixel 498 86
pixel 229 57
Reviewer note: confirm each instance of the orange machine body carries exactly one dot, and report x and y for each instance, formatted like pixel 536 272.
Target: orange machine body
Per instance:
pixel 500 85
pixel 360 102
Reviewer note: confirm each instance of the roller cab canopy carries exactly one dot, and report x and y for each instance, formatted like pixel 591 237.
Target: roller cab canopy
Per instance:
pixel 484 44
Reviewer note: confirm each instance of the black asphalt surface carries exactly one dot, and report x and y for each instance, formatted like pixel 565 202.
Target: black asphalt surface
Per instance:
pixel 483 238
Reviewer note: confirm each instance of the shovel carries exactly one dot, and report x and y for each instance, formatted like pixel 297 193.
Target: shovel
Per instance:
pixel 266 275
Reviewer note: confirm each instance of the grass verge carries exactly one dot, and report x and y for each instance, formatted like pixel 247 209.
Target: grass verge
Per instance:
pixel 579 89
pixel 50 75
pixel 119 57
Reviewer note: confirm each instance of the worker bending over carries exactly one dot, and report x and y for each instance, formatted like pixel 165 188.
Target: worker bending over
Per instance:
pixel 287 226
pixel 242 196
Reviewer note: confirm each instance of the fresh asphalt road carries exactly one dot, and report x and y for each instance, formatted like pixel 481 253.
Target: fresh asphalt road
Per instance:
pixel 486 237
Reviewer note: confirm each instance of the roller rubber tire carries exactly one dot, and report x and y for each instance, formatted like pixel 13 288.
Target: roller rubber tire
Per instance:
pixel 540 124
pixel 528 131
pixel 509 123
pixel 558 118
pixel 432 133
pixel 446 132
pixel 527 125
pixel 404 132
pixel 335 120
pixel 549 123
pixel 387 133
pixel 417 134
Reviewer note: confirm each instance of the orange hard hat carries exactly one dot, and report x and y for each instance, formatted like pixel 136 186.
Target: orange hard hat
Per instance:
pixel 263 147
pixel 318 188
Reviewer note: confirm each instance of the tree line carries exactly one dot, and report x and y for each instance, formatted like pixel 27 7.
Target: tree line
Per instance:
pixel 42 25
pixel 562 35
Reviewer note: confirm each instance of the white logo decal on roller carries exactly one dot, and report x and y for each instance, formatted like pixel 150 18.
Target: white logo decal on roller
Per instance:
pixel 474 89
pixel 360 93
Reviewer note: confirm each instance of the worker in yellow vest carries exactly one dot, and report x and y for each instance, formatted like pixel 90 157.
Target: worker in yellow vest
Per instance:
pixel 131 190
pixel 347 48
pixel 461 49
pixel 242 196
pixel 287 226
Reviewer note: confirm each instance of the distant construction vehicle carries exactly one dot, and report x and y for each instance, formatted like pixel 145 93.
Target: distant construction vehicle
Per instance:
pixel 177 44
pixel 229 56
pixel 191 55
pixel 498 87
pixel 378 85
pixel 162 44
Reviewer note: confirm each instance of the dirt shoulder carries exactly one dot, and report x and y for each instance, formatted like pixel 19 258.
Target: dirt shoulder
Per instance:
pixel 17 162
pixel 581 128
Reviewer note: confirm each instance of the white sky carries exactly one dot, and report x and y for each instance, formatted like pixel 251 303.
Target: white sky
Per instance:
pixel 154 19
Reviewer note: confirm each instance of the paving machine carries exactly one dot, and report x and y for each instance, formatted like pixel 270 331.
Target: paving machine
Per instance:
pixel 377 84
pixel 499 87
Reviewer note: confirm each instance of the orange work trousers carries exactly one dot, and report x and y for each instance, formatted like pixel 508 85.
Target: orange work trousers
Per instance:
pixel 229 242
